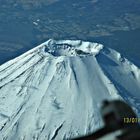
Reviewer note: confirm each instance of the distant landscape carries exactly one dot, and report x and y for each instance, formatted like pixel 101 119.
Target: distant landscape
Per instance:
pixel 25 24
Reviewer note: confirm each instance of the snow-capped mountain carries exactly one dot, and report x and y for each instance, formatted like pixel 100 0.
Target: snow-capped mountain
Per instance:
pixel 54 91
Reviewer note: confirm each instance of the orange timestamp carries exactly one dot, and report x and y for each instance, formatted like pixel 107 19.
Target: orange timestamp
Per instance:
pixel 131 120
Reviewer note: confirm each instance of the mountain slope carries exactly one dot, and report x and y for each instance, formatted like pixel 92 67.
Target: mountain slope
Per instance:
pixel 54 91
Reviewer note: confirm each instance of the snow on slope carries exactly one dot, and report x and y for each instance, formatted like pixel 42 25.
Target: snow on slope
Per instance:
pixel 54 91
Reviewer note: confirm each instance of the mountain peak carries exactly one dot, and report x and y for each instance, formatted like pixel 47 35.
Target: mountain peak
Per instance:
pixel 70 48
pixel 54 91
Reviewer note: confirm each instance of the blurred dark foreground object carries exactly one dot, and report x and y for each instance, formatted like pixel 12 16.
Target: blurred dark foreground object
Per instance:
pixel 120 123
